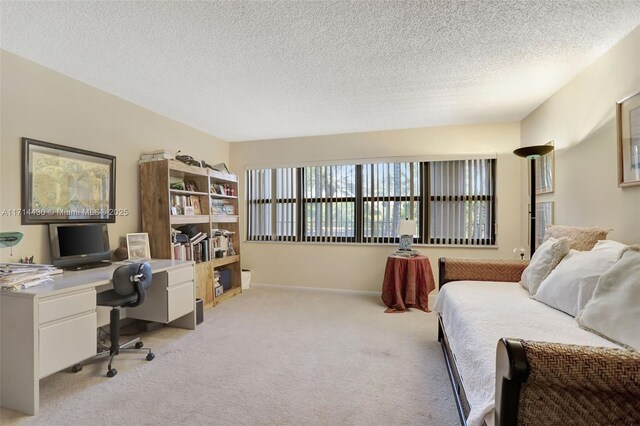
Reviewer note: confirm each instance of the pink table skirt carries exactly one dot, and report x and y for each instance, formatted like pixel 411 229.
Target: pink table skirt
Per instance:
pixel 407 283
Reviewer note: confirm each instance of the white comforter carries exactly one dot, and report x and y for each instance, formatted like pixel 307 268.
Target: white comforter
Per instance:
pixel 477 314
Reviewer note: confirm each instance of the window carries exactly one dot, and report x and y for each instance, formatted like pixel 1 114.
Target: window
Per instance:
pixel 390 191
pixel 272 204
pixel 461 202
pixel 329 199
pixel 452 201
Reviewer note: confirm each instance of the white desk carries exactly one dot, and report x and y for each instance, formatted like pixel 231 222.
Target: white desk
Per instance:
pixel 47 328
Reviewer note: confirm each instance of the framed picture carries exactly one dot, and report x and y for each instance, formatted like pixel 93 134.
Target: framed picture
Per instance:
pixel 545 167
pixel 544 217
pixel 628 118
pixel 190 185
pixel 138 246
pixel 63 184
pixel 195 203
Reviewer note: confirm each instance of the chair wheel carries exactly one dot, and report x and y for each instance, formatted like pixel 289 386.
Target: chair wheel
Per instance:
pixel 112 372
pixel 139 345
pixel 151 356
pixel 76 368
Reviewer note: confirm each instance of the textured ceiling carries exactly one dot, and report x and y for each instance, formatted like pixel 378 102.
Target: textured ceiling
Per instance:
pixel 244 70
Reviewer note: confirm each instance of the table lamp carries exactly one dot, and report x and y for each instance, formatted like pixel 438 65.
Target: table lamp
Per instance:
pixel 531 153
pixel 406 229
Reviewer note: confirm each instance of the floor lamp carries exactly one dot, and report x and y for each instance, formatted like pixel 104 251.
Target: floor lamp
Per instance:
pixel 531 153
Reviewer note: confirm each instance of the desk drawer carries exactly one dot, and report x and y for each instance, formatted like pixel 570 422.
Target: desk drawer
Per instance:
pixel 181 300
pixel 67 342
pixel 177 276
pixel 68 305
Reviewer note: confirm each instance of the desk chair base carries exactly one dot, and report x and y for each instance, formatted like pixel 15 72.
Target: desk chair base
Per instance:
pixel 116 348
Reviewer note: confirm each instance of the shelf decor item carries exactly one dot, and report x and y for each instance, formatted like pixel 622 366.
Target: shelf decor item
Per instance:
pixel 531 153
pixel 138 246
pixel 628 121
pixel 64 184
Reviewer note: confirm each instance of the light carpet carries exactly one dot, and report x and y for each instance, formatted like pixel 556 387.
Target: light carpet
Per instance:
pixel 269 356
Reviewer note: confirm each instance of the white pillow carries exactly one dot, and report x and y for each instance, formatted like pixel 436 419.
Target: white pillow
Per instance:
pixel 614 310
pixel 611 246
pixel 545 258
pixel 570 286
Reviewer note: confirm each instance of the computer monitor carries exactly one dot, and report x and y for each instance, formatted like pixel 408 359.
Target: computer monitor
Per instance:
pixel 79 245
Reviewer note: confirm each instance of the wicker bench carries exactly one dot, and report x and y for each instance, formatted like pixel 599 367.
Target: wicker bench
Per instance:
pixel 542 383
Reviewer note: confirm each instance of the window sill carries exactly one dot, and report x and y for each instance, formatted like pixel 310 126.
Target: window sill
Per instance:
pixel 425 246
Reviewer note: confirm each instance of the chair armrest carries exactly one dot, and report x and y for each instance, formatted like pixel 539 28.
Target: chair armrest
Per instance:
pixel 464 269
pixel 553 383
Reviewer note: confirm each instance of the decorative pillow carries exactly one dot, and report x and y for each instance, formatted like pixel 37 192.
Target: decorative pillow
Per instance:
pixel 570 286
pixel 582 239
pixel 614 310
pixel 545 258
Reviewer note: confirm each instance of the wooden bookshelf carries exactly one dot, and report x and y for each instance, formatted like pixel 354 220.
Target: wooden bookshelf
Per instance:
pixel 158 217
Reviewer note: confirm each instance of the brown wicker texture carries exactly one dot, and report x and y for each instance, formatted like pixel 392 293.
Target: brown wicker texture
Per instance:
pixel 580 385
pixel 464 269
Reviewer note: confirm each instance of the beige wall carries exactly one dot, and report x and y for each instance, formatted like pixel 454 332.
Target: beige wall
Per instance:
pixel 41 104
pixel 580 118
pixel 361 267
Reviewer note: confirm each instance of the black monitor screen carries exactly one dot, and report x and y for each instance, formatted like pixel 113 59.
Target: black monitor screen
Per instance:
pixel 79 244
pixel 79 240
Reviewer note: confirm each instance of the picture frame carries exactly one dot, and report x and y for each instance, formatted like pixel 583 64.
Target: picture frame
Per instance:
pixel 545 171
pixel 138 246
pixel 64 184
pixel 190 185
pixel 628 136
pixel 195 203
pixel 544 218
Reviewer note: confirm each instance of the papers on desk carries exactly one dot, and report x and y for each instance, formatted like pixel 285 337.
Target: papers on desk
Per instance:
pixel 16 276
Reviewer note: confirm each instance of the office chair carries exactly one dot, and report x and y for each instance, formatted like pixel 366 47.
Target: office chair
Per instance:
pixel 129 289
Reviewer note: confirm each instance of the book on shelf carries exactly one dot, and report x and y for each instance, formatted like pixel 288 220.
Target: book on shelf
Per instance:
pixel 200 248
pixel 185 205
pixel 223 189
pixel 217 207
pixel 198 237
pixel 222 207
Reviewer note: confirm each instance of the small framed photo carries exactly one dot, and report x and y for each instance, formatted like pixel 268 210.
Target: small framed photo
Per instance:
pixel 628 120
pixel 195 203
pixel 138 246
pixel 190 185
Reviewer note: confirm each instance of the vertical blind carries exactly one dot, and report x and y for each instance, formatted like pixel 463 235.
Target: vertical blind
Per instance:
pixel 329 203
pixel 390 193
pixel 452 201
pixel 461 201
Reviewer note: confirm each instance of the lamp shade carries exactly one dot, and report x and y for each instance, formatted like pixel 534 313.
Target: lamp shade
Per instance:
pixel 407 227
pixel 534 151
